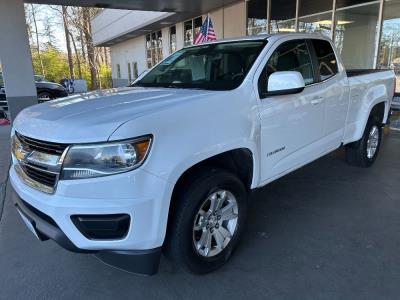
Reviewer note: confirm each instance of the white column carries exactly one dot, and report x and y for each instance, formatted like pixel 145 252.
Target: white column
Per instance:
pixel 15 57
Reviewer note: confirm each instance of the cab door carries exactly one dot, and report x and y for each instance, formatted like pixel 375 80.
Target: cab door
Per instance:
pixel 335 85
pixel 292 125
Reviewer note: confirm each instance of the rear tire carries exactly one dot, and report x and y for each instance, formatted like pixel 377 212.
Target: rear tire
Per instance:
pixel 199 240
pixel 364 152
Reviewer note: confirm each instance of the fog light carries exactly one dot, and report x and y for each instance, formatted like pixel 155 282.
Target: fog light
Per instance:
pixel 102 227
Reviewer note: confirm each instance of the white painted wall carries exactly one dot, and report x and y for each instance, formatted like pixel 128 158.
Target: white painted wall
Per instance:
pixel 128 52
pixel 360 35
pixel 111 23
pixel 165 44
pixel 235 20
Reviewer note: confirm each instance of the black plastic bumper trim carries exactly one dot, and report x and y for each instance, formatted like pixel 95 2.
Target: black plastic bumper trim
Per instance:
pixel 144 262
pixel 45 229
pixel 102 227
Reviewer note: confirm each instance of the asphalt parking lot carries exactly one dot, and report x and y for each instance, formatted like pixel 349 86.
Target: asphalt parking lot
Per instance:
pixel 326 231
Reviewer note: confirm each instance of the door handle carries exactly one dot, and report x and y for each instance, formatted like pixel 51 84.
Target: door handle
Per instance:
pixel 317 100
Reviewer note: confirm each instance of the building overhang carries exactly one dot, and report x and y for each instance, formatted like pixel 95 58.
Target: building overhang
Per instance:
pixel 174 11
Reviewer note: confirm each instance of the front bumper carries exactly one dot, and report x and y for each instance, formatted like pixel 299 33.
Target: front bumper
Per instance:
pixel 141 195
pixel 137 261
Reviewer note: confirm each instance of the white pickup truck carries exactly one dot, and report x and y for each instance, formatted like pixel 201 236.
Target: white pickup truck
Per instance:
pixel 168 163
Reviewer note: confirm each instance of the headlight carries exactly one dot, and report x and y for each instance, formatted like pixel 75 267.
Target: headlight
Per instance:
pixel 88 161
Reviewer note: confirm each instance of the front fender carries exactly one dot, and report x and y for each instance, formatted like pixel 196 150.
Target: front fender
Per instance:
pixel 201 156
pixel 193 131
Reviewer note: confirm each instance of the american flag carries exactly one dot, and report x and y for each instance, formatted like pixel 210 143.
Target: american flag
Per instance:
pixel 206 32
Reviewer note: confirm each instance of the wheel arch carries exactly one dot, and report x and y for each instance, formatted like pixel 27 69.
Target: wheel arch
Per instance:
pixel 239 161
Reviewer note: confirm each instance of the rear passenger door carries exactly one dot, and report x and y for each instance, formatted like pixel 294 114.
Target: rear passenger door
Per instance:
pixel 291 125
pixel 334 83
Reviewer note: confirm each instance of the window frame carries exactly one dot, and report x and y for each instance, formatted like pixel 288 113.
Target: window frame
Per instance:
pixel 118 71
pixel 153 40
pixel 135 69
pixel 170 34
pixel 129 72
pixel 311 53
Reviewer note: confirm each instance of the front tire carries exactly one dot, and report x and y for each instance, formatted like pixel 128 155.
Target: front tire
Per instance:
pixel 364 152
pixel 207 221
pixel 44 97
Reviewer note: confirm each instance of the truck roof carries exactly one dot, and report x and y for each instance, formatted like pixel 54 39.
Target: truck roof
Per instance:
pixel 274 36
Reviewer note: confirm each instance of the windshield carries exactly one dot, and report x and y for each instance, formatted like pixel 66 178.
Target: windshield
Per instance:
pixel 220 66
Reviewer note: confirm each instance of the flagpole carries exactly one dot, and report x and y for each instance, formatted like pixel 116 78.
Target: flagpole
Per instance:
pixel 208 25
pixel 223 22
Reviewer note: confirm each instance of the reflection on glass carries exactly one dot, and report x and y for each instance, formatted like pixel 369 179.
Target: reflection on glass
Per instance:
pixel 389 47
pixel 283 13
pixel 257 17
pixel 153 48
pixel 197 25
pixel 311 7
pixel 191 29
pixel 320 23
pixel 256 26
pixel 172 39
pixel 355 35
pixel 283 26
pixel 188 32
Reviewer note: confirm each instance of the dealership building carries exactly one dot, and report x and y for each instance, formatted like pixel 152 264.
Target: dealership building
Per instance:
pixel 366 33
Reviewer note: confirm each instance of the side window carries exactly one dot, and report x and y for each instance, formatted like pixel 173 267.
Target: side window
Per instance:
pixel 326 58
pixel 290 56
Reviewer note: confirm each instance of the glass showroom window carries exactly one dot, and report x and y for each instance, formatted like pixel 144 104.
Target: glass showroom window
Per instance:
pixel 172 39
pixel 318 23
pixel 356 33
pixel 283 15
pixel 315 17
pixel 190 30
pixel 257 17
pixel 389 47
pixel 148 51
pixel 153 48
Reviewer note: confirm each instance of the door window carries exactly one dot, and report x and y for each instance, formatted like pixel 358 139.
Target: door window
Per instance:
pixel 327 63
pixel 290 56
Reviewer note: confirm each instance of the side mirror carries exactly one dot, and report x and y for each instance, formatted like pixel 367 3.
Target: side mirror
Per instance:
pixel 285 83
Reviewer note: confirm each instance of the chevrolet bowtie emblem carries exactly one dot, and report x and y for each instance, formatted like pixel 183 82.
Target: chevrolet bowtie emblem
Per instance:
pixel 21 154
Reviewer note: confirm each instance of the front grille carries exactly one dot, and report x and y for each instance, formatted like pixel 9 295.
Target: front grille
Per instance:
pixel 38 160
pixel 41 176
pixel 41 146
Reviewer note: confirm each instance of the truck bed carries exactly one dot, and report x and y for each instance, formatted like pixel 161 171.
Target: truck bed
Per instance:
pixel 357 72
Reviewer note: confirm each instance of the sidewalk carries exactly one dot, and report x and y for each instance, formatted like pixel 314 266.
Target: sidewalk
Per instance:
pixel 4 161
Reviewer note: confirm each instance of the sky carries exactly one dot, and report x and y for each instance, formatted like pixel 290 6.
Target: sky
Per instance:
pixel 55 19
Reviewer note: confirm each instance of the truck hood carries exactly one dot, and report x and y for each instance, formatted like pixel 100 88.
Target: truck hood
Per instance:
pixel 93 117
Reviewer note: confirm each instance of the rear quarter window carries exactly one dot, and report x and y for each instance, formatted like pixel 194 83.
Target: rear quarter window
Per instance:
pixel 327 63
